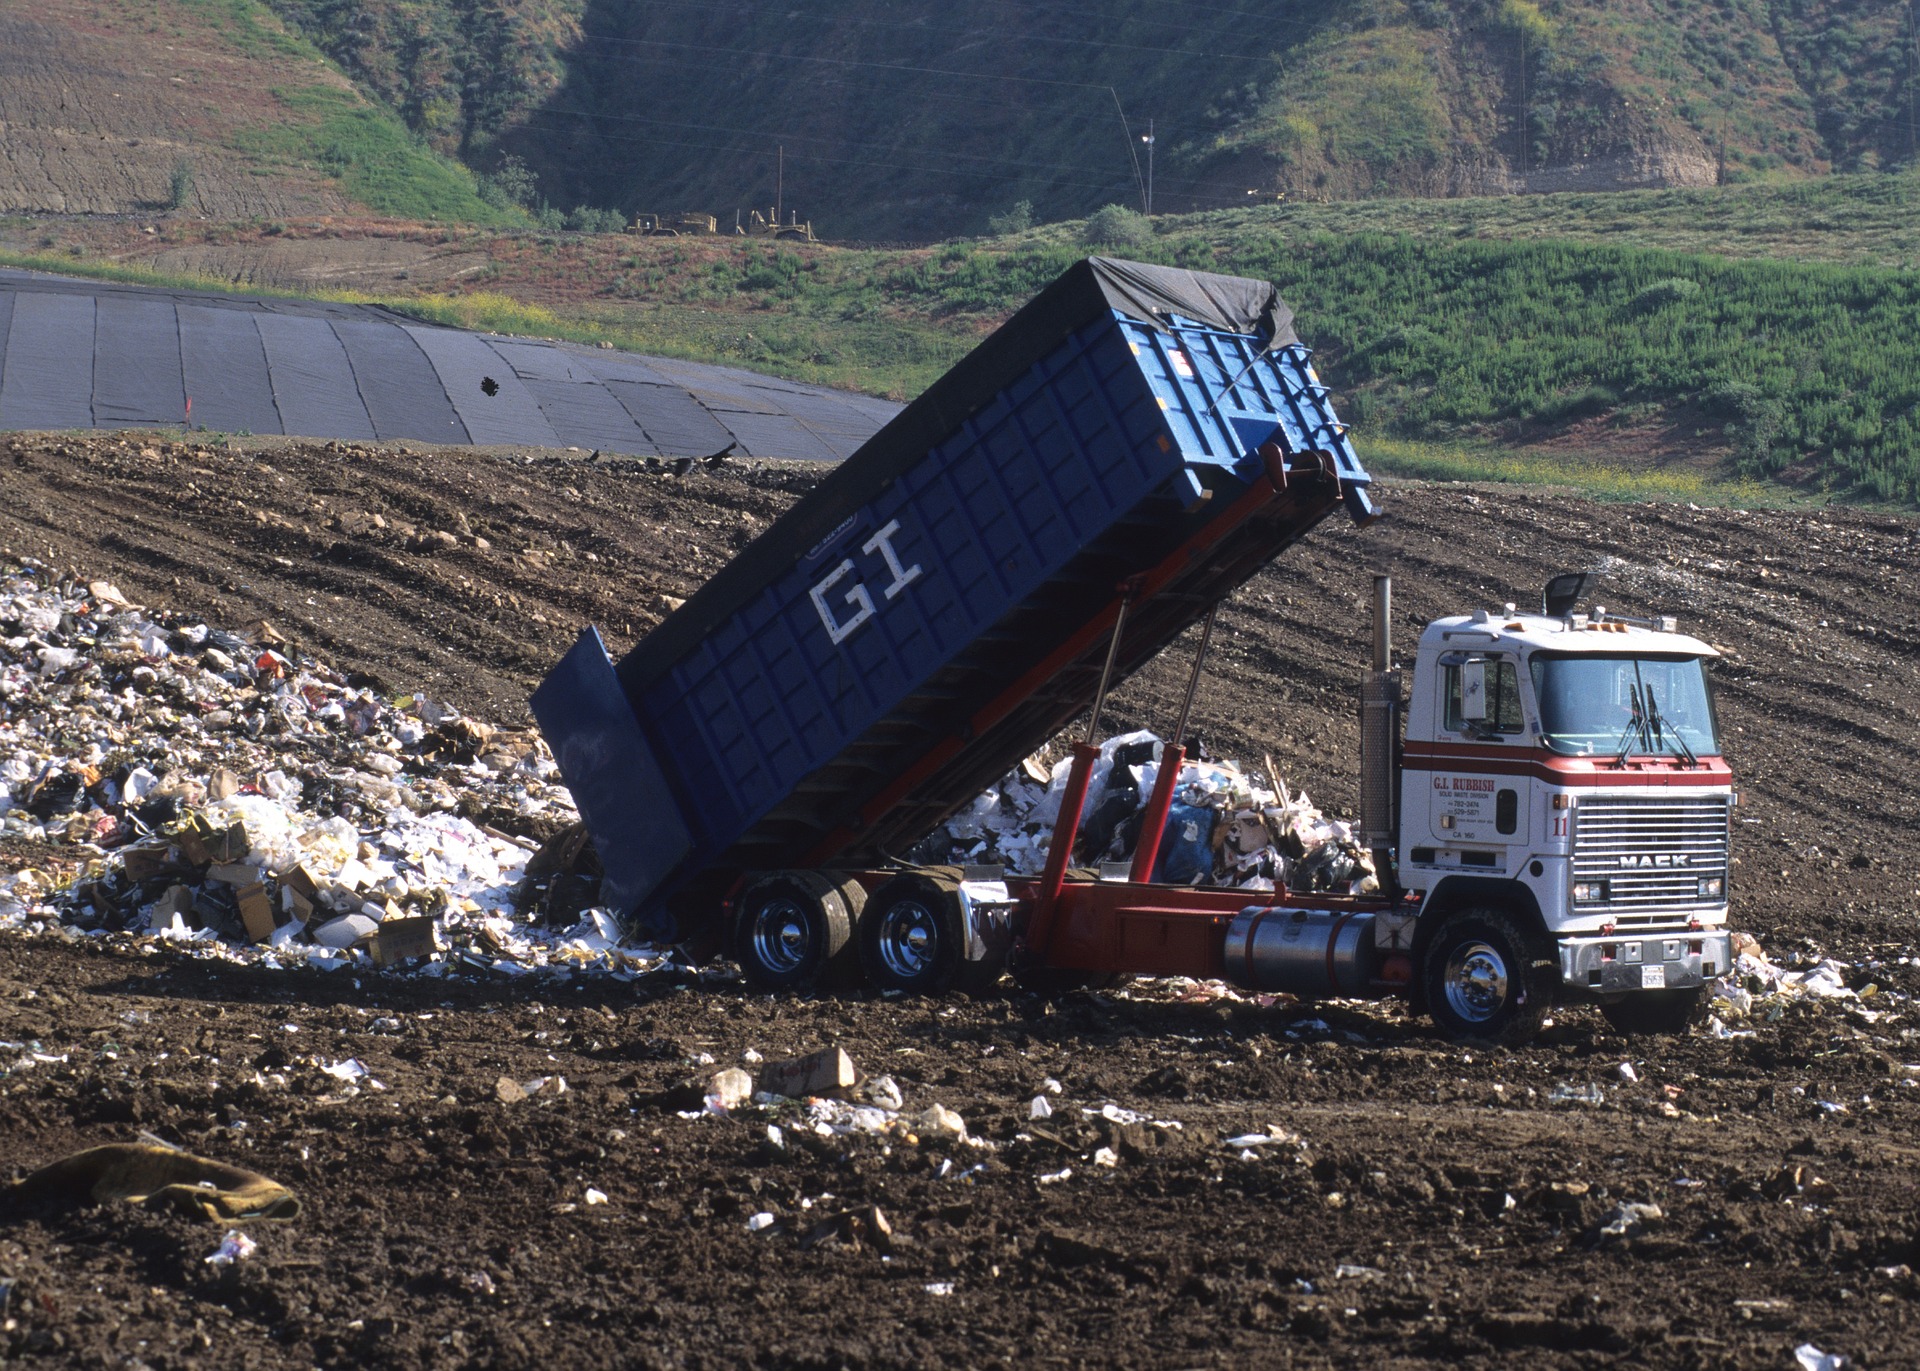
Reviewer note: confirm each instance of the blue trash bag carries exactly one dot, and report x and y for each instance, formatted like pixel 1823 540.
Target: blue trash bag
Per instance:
pixel 1186 848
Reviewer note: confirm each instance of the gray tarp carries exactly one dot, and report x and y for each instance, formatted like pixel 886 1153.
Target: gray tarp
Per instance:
pixel 404 396
pixel 313 384
pixel 464 363
pixel 81 354
pixel 226 371
pixel 49 363
pixel 136 363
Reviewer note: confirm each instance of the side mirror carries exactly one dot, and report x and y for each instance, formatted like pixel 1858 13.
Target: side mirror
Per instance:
pixel 1473 691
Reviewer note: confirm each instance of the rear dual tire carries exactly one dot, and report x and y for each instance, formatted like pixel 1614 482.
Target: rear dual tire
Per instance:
pixel 794 931
pixel 913 938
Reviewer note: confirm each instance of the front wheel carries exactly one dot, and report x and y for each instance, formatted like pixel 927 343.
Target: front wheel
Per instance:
pixel 1650 1013
pixel 1486 977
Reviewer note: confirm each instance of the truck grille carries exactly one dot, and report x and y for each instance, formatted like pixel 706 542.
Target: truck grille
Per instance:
pixel 1651 851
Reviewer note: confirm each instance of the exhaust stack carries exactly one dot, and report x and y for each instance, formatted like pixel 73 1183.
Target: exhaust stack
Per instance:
pixel 1380 741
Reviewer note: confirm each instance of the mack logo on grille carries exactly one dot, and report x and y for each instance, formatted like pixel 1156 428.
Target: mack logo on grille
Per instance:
pixel 1648 859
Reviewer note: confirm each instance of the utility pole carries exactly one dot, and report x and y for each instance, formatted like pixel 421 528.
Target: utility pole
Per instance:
pixel 1147 138
pixel 1523 108
pixel 779 183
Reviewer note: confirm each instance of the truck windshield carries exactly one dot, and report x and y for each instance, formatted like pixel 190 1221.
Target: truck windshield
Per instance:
pixel 1592 705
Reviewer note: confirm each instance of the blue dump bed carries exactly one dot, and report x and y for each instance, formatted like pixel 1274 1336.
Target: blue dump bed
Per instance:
pixel 942 603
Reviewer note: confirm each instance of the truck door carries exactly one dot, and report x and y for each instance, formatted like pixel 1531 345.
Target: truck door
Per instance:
pixel 1481 799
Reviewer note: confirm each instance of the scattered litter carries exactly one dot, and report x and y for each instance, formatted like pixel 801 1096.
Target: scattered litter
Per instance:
pixel 1630 1220
pixel 1627 1073
pixel 729 1090
pixel 1566 1093
pixel 940 1122
pixel 1106 1156
pixel 941 1288
pixel 760 1222
pixel 235 1247
pixel 1812 1358
pixel 1055 1177
pixel 593 1197
pixel 827 1072
pixel 1041 1108
pixel 1347 1272
pixel 158 1176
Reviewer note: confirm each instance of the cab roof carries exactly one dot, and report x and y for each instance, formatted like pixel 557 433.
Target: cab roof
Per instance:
pixel 1525 633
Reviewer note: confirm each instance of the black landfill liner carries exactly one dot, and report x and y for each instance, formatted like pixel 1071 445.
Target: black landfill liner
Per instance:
pixel 224 365
pixel 91 354
pixel 313 385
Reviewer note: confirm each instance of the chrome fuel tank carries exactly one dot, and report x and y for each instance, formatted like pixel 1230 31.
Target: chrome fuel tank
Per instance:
pixel 1307 952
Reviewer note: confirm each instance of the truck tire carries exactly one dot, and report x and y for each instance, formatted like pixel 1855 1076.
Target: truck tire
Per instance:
pixel 794 930
pixel 1650 1013
pixel 913 937
pixel 1485 976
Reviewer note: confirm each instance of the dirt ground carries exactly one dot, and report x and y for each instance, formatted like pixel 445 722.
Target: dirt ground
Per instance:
pixel 99 104
pixel 1421 1204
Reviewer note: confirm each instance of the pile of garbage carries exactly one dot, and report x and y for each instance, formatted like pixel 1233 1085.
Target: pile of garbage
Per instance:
pixel 1225 827
pixel 1759 989
pixel 213 787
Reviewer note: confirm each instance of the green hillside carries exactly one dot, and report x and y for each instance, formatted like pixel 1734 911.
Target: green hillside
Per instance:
pixel 918 120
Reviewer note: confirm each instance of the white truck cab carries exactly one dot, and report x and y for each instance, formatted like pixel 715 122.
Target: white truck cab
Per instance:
pixel 1563 816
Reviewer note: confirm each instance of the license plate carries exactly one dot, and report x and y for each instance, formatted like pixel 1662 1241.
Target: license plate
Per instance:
pixel 1653 978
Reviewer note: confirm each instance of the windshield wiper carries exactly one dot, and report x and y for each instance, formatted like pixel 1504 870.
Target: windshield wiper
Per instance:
pixel 1661 737
pixel 1636 724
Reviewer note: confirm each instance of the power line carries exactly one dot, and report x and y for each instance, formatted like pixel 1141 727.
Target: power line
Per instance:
pixel 758 150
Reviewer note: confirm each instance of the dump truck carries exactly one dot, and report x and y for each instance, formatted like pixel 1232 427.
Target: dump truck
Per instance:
pixel 1546 799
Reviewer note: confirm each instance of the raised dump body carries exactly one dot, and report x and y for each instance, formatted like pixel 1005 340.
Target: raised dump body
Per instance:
pixel 944 601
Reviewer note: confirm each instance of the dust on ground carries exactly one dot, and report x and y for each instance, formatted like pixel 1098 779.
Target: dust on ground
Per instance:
pixel 1419 1203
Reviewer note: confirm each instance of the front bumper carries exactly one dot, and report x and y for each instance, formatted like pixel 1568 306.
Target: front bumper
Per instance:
pixel 1612 964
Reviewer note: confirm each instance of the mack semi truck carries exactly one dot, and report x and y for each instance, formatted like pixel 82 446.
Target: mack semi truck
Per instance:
pixel 1544 796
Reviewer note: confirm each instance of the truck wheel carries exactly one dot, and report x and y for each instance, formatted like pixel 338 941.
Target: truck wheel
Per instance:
pixel 1647 1013
pixel 795 929
pixel 1482 978
pixel 913 937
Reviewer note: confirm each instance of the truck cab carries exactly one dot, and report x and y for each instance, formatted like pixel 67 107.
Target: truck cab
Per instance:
pixel 1563 818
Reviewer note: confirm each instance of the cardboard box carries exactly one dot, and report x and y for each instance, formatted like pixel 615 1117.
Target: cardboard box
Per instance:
pixel 826 1072
pixel 256 911
pixel 144 863
pixel 399 939
pixel 298 893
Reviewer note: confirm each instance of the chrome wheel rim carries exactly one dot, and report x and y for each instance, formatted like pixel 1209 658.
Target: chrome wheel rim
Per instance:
pixel 909 938
pixel 1476 982
pixel 780 936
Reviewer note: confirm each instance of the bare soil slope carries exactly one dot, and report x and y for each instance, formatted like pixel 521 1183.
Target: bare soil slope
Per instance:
pixel 100 105
pixel 1441 1205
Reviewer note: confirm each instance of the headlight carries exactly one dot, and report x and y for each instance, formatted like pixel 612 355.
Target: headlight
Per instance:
pixel 1712 887
pixel 1590 892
